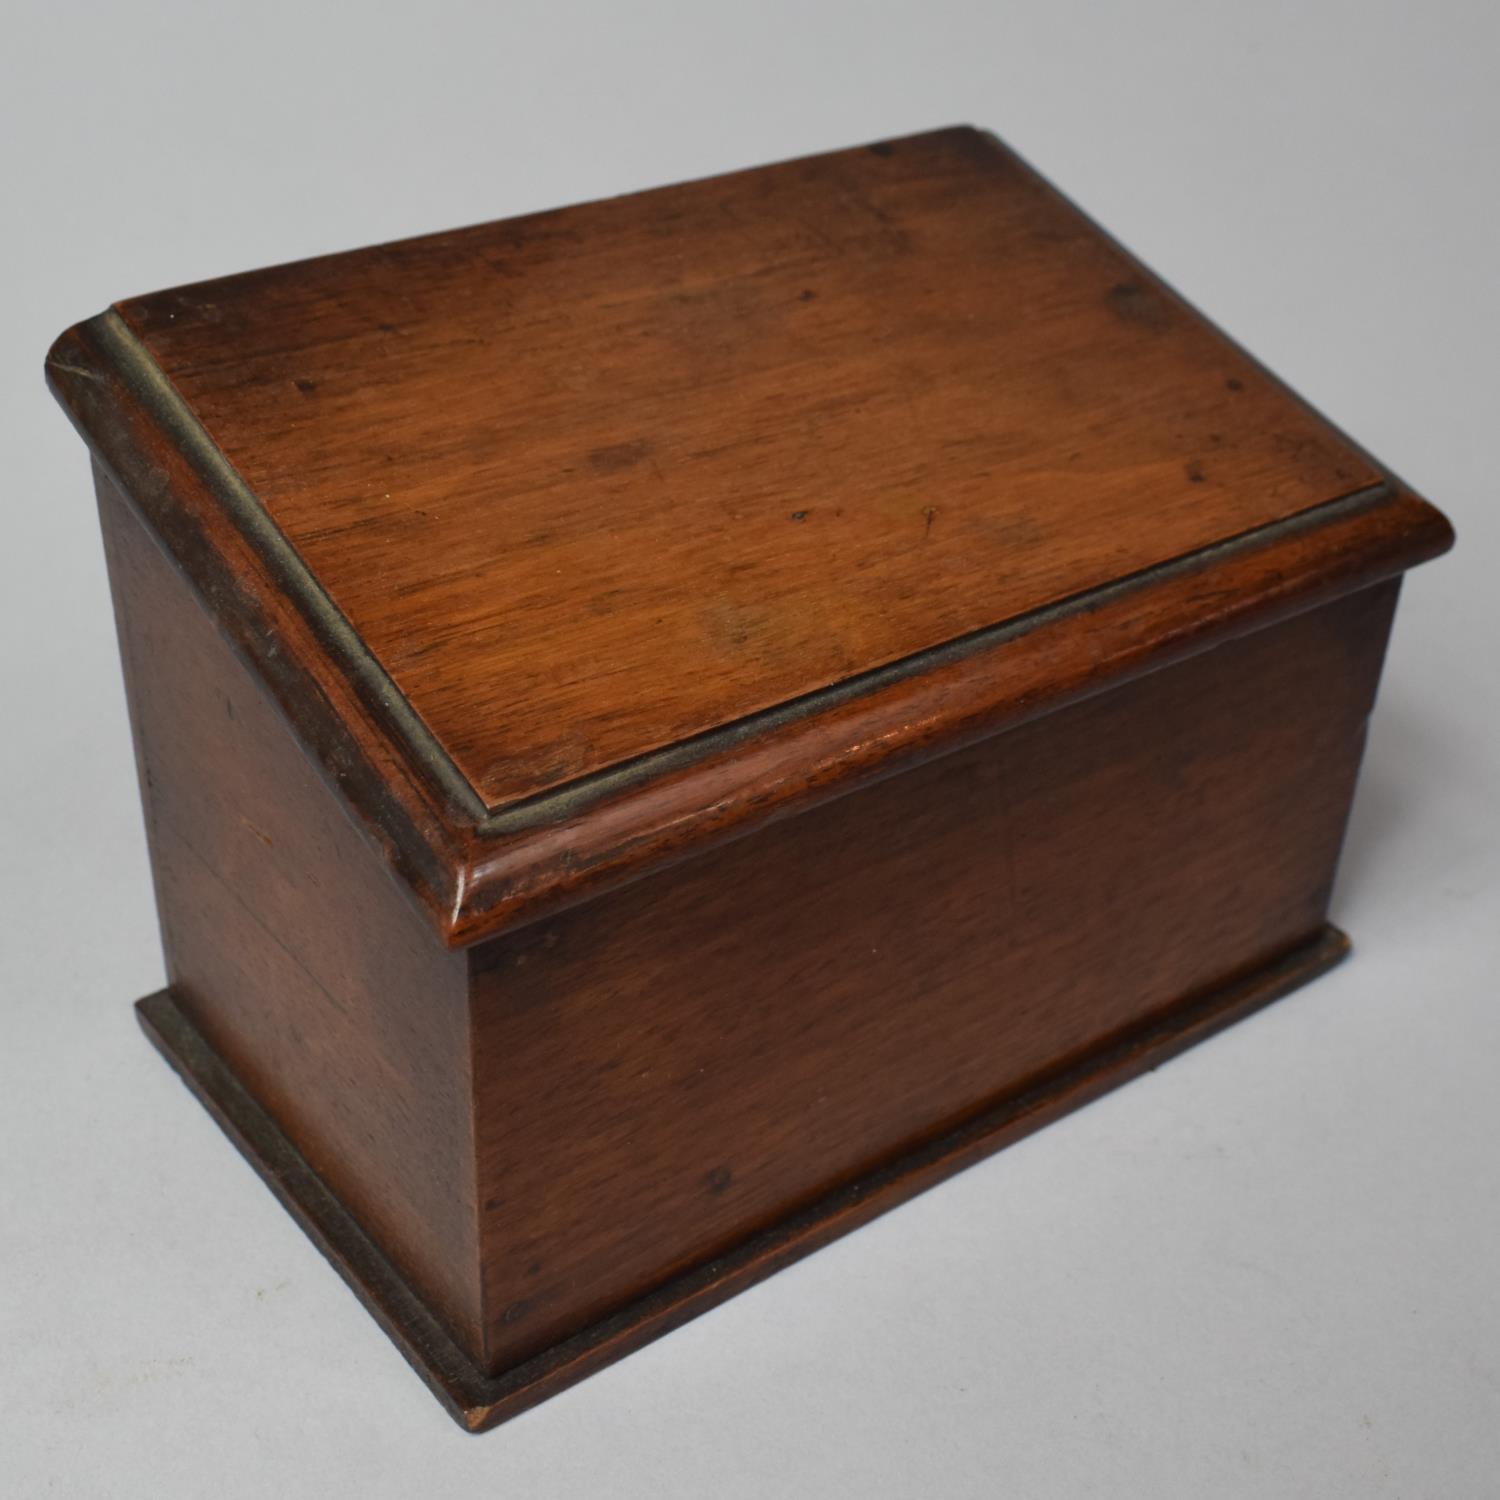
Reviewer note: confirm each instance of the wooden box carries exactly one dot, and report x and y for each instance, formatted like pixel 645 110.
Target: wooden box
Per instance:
pixel 668 726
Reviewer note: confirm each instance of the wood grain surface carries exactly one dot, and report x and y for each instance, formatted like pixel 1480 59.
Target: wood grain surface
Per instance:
pixel 855 663
pixel 737 1037
pixel 576 545
pixel 287 944
pixel 479 1400
pixel 595 481
pixel 535 1156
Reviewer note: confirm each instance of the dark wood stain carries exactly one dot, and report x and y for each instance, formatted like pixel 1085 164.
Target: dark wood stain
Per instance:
pixel 553 504
pixel 819 998
pixel 668 726
pixel 288 945
pixel 671 323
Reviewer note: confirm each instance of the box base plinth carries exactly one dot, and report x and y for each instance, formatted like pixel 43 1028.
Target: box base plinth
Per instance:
pixel 478 1400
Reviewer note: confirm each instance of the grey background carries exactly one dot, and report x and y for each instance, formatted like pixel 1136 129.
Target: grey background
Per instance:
pixel 1267 1269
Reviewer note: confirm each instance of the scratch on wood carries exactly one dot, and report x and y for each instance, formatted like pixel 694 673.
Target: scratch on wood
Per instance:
pixel 58 364
pixel 265 838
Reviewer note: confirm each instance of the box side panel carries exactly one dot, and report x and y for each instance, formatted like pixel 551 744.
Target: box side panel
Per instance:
pixel 676 1066
pixel 289 945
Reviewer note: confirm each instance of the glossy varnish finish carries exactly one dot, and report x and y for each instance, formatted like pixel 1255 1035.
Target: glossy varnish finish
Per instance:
pixel 670 725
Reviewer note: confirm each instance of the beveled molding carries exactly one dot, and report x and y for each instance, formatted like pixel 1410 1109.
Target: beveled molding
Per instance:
pixel 478 1400
pixel 477 870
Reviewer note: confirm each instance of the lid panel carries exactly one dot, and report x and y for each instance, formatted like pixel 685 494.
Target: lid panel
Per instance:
pixel 594 482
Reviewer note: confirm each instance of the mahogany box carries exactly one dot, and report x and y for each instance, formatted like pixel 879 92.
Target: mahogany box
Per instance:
pixel 668 726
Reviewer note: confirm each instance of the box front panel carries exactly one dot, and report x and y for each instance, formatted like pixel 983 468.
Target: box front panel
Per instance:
pixel 669 1069
pixel 681 1064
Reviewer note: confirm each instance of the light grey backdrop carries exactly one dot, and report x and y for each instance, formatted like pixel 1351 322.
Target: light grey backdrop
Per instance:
pixel 1269 1268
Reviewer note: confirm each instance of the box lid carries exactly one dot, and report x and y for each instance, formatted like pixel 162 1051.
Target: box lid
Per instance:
pixel 573 543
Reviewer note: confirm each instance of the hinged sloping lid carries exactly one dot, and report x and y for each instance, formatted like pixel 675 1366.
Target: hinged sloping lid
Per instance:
pixel 572 542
